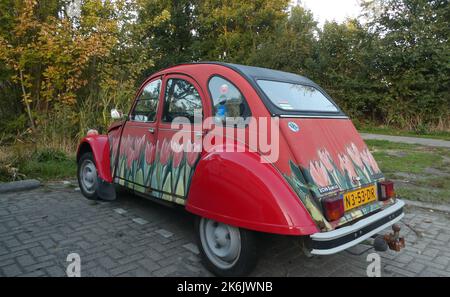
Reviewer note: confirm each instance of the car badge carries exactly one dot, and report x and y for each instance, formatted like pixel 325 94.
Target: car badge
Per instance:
pixel 294 127
pixel 356 179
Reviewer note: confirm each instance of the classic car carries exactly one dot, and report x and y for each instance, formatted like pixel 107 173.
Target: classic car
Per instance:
pixel 181 144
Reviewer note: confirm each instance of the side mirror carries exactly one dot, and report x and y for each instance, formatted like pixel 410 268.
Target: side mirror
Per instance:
pixel 116 114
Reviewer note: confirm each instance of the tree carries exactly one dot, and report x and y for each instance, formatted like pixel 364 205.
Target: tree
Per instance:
pixel 168 28
pixel 346 66
pixel 291 46
pixel 234 30
pixel 414 58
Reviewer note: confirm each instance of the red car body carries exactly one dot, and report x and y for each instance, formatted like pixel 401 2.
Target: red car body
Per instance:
pixel 321 155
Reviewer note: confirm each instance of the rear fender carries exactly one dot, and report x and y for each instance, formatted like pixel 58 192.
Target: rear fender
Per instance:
pixel 235 188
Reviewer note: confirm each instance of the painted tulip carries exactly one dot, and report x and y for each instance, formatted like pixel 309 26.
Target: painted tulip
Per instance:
pixel 149 153
pixel 139 144
pixel 178 154
pixel 347 166
pixel 354 155
pixel 326 160
pixel 130 156
pixel 164 152
pixel 123 145
pixel 192 152
pixel 139 148
pixel 372 161
pixel 319 174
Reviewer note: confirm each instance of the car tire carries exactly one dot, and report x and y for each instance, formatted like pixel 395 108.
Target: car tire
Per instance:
pixel 87 176
pixel 226 251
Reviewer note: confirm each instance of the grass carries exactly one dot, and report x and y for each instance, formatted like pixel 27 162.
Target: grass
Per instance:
pixel 40 163
pixel 444 135
pixel 421 173
pixel 50 170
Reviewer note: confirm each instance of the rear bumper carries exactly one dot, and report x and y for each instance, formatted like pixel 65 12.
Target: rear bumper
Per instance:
pixel 335 241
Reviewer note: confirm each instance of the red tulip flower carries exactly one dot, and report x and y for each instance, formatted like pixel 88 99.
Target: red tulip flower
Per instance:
pixel 178 154
pixel 192 152
pixel 326 160
pixel 319 174
pixel 130 156
pixel 164 152
pixel 368 159
pixel 149 153
pixel 347 166
pixel 354 154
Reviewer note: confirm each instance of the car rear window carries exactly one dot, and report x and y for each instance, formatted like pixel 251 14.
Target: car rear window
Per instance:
pixel 296 97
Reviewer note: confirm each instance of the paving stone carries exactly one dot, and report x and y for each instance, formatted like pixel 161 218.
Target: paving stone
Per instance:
pixel 149 264
pixel 140 221
pixel 36 235
pixel 164 233
pixel 430 252
pixel 415 267
pixel 55 271
pixel 120 210
pixel 192 247
pixel 25 260
pixel 11 270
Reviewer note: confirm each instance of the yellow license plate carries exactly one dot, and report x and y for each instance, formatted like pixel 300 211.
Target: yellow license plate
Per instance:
pixel 359 197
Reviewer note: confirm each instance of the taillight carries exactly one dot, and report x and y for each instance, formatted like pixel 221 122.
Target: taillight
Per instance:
pixel 386 190
pixel 333 207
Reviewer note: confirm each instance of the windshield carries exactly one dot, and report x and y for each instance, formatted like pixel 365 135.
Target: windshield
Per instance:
pixel 296 97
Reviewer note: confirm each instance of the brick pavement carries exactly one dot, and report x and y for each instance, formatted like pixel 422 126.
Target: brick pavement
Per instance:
pixel 136 237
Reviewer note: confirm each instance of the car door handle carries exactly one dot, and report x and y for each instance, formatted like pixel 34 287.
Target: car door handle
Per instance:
pixel 151 130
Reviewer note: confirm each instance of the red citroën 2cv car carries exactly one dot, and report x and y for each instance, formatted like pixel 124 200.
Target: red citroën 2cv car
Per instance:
pixel 319 182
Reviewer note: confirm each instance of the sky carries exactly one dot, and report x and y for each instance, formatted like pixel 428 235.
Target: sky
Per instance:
pixel 337 10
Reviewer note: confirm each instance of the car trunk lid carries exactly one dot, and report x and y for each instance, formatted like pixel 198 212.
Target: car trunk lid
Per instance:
pixel 330 154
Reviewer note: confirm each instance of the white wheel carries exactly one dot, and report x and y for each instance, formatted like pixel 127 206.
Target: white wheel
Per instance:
pixel 226 250
pixel 222 243
pixel 87 176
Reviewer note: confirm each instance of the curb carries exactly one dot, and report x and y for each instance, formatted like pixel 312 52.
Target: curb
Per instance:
pixel 430 206
pixel 20 185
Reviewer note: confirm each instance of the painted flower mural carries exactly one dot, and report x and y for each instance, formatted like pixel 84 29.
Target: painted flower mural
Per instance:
pixel 348 170
pixel 370 162
pixel 352 168
pixel 324 176
pixel 163 169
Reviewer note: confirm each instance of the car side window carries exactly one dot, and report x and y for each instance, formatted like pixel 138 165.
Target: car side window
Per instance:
pixel 147 103
pixel 181 100
pixel 228 101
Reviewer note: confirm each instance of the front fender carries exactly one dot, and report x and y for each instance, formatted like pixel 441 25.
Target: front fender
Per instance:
pixel 235 188
pixel 99 146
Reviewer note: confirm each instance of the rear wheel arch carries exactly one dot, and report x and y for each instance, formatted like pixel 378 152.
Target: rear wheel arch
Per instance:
pixel 235 188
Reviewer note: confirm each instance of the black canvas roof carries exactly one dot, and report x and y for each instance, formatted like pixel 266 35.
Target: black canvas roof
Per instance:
pixel 252 74
pixel 270 74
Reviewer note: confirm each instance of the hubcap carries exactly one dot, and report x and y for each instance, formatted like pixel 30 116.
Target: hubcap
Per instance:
pixel 221 243
pixel 88 176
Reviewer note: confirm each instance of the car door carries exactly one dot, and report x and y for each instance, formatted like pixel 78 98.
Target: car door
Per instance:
pixel 138 141
pixel 179 145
